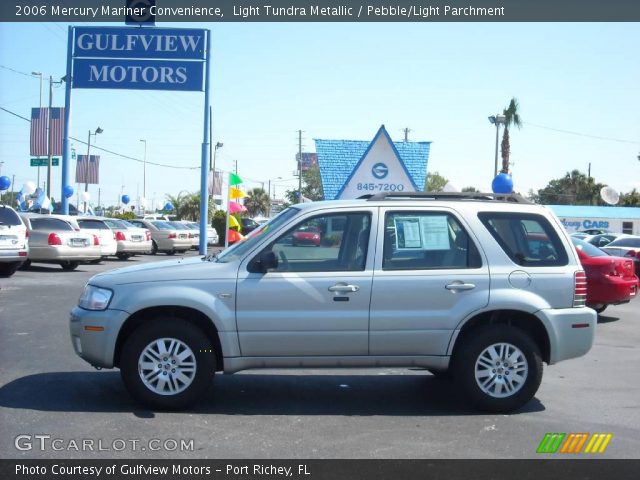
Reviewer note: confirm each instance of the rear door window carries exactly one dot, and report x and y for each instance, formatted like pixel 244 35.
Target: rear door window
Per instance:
pixel 528 239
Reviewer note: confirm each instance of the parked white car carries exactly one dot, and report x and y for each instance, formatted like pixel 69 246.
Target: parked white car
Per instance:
pixel 97 226
pixel 14 247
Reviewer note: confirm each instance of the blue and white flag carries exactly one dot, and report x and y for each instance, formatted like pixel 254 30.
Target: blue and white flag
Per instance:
pixel 42 201
pixel 20 201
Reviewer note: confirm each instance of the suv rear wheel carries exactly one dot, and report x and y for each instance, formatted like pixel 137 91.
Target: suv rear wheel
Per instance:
pixel 167 364
pixel 499 368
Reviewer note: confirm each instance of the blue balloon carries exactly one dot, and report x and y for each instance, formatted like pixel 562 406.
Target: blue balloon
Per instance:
pixel 5 183
pixel 168 206
pixel 125 199
pixel 503 183
pixel 68 191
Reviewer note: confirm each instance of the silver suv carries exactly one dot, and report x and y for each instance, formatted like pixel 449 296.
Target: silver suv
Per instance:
pixel 484 288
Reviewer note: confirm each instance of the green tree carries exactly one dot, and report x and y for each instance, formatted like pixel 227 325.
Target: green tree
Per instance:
pixel 257 202
pixel 511 117
pixel 311 186
pixel 575 188
pixel 470 189
pixel 631 199
pixel 435 182
pixel 186 206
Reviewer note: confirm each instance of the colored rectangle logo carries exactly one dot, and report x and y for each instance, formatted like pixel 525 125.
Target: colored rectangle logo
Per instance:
pixel 574 443
pixel 149 43
pixel 138 74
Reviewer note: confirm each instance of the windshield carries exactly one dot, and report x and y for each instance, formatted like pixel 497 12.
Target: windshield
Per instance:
pixel 240 249
pixel 587 248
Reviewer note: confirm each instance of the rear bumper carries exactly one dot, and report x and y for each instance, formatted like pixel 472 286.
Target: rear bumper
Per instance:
pixel 62 253
pixel 612 290
pixel 126 246
pixel 10 256
pixel 571 331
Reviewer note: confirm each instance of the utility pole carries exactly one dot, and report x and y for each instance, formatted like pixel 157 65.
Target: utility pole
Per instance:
pixel 406 134
pixel 49 138
pixel 99 198
pixel 235 162
pixel 39 74
pixel 299 166
pixel 144 171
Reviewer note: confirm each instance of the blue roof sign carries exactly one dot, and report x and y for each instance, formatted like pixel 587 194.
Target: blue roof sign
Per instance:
pixel 352 168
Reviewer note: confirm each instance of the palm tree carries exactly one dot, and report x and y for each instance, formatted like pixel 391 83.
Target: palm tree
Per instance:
pixel 257 202
pixel 177 202
pixel 511 117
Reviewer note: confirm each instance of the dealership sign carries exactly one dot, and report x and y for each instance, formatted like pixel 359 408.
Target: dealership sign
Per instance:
pixel 139 58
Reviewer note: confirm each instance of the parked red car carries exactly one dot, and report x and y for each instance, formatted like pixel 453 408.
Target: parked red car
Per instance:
pixel 306 235
pixel 610 280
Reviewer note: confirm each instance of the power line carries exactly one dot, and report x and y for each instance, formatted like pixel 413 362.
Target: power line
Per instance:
pixel 569 132
pixel 17 71
pixel 108 151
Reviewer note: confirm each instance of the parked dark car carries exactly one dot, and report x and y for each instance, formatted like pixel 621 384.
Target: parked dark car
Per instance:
pixel 248 225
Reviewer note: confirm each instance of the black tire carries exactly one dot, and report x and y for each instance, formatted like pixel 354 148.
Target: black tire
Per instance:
pixel 8 269
pixel 67 265
pixel 468 353
pixel 123 256
pixel 170 328
pixel 170 252
pixel 600 309
pixel 154 247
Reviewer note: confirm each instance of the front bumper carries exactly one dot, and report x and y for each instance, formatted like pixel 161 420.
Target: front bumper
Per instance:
pixel 96 347
pixel 571 331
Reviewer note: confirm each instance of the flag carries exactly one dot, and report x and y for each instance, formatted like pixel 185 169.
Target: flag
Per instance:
pixel 236 193
pixel 42 200
pixel 234 179
pixel 215 188
pixel 235 207
pixel 88 172
pixel 39 132
pixel 233 222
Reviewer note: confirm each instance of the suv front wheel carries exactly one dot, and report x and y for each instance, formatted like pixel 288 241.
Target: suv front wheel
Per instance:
pixel 499 367
pixel 167 364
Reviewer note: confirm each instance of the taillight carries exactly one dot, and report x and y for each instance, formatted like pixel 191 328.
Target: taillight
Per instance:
pixel 579 289
pixel 172 235
pixel 54 239
pixel 96 240
pixel 148 233
pixel 120 236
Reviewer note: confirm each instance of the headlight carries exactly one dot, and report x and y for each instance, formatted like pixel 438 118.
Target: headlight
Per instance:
pixel 95 298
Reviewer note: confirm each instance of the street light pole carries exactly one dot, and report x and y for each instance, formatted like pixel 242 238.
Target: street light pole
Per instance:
pixel 39 74
pixel 86 177
pixel 212 169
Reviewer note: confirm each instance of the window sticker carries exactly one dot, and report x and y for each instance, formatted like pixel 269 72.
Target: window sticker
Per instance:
pixel 429 232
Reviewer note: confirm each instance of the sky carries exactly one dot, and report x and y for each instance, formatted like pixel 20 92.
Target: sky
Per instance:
pixel 342 81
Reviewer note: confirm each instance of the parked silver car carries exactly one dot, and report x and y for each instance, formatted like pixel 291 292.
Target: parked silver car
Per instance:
pixel 13 241
pixel 130 240
pixel 55 239
pixel 164 237
pixel 482 286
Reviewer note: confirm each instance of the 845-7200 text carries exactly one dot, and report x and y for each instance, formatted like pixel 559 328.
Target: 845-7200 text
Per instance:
pixel 381 187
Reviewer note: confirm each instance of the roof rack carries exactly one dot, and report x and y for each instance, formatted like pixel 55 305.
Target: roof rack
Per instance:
pixel 457 196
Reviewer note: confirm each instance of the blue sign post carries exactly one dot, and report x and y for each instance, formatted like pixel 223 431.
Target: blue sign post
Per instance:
pixel 139 59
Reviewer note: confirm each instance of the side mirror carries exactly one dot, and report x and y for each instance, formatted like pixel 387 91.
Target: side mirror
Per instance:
pixel 268 260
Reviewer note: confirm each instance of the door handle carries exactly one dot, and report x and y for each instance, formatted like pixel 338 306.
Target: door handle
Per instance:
pixel 343 288
pixel 460 286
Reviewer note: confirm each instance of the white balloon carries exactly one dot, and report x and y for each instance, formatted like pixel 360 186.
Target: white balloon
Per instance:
pixel 28 188
pixel 85 196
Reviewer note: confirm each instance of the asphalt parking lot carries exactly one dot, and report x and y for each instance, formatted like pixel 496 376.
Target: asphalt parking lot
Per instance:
pixel 382 413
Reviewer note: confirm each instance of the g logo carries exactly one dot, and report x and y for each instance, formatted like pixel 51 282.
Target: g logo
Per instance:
pixel 379 170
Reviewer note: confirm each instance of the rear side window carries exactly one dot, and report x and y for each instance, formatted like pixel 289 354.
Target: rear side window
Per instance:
pixel 9 217
pixel 427 240
pixel 625 242
pixel 50 224
pixel 528 239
